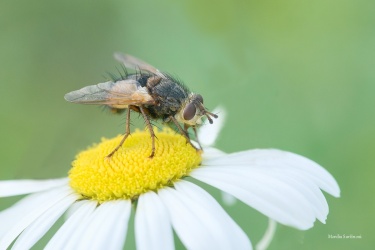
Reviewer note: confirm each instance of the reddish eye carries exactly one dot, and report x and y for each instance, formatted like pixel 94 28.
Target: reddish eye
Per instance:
pixel 189 111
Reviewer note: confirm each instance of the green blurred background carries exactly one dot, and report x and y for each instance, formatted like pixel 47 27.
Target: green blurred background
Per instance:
pixel 293 75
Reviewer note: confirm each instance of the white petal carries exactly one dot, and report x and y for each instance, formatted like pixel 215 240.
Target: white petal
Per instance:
pixel 199 221
pixel 12 215
pixel 211 153
pixel 50 198
pixel 17 187
pixel 40 226
pixel 79 225
pixel 153 228
pixel 208 133
pixel 83 210
pixel 71 210
pixel 309 189
pixel 108 227
pixel 273 158
pixel 274 196
pixel 295 180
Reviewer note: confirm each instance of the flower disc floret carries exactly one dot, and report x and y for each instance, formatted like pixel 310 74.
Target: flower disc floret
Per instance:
pixel 130 172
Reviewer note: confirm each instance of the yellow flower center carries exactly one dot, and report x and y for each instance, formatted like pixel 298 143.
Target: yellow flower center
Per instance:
pixel 130 172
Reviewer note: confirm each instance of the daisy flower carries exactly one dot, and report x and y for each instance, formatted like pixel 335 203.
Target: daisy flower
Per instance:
pixel 99 194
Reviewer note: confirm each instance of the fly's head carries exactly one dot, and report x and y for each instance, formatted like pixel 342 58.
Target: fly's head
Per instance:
pixel 193 110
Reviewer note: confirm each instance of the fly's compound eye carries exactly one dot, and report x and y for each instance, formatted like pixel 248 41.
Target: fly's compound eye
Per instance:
pixel 189 111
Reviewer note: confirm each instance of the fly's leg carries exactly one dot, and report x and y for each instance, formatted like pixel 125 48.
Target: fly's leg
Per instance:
pixel 182 131
pixel 127 133
pixel 186 127
pixel 148 123
pixel 196 137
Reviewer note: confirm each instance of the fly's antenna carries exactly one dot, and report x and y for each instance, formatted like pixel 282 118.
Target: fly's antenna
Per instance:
pixel 208 114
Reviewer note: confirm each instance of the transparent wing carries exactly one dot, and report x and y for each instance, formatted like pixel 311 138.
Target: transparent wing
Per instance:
pixel 135 63
pixel 126 92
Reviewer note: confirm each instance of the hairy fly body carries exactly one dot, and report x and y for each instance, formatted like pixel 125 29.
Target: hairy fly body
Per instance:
pixel 153 94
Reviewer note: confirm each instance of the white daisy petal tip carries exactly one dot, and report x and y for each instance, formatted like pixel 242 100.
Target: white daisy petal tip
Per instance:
pixel 328 184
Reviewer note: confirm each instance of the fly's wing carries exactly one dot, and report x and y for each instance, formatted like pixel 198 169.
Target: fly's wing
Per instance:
pixel 135 63
pixel 115 94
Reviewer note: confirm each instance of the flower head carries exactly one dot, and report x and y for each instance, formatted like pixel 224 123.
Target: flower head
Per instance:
pixel 130 172
pixel 99 193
